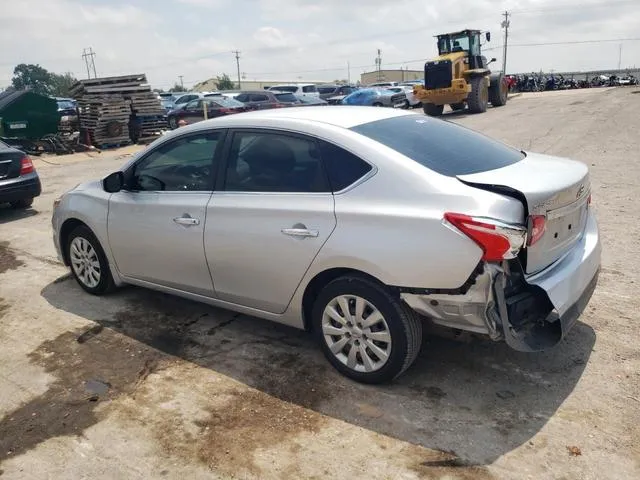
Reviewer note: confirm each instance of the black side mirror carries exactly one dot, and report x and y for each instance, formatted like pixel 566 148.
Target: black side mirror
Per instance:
pixel 114 182
pixel 488 36
pixel 491 61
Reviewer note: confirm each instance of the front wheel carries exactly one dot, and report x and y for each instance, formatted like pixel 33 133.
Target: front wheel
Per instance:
pixel 479 97
pixel 432 110
pixel 366 333
pixel 88 262
pixel 377 104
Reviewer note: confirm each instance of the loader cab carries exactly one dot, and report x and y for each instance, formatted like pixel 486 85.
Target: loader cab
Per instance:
pixel 467 41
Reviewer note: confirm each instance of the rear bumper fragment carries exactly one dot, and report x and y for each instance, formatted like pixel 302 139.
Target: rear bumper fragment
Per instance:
pixel 20 188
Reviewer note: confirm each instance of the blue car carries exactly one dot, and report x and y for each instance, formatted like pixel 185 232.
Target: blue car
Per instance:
pixel 375 97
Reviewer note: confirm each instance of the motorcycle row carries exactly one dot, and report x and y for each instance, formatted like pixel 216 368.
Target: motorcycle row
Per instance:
pixel 540 82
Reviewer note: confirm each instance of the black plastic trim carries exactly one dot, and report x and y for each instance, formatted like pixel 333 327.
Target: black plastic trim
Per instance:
pixel 464 288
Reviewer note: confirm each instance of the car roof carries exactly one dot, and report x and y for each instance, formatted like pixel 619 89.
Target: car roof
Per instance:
pixel 340 116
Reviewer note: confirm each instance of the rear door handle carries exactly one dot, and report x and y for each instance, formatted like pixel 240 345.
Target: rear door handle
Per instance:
pixel 187 220
pixel 300 232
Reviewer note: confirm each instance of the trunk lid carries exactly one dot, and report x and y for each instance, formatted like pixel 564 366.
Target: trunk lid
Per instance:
pixel 10 159
pixel 554 187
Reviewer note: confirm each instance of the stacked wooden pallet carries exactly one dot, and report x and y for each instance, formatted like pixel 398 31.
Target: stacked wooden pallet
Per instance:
pixel 109 106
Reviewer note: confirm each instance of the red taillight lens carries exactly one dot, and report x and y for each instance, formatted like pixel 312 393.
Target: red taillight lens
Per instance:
pixel 589 200
pixel 26 166
pixel 499 241
pixel 536 227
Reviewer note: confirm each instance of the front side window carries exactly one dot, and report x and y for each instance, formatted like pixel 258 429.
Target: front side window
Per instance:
pixel 271 162
pixel 258 97
pixel 243 97
pixel 193 105
pixel 184 164
pixel 309 89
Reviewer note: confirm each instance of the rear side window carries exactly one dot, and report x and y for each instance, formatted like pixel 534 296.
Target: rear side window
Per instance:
pixel 444 147
pixel 309 89
pixel 258 97
pixel 286 97
pixel 343 168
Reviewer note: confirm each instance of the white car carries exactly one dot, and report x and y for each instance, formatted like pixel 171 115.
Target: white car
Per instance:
pixel 298 88
pixel 412 100
pixel 383 84
pixel 356 223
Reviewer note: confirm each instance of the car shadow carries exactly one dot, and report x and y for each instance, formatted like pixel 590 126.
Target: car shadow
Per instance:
pixel 478 399
pixel 9 214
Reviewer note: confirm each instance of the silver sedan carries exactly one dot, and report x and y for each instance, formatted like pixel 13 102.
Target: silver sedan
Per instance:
pixel 357 224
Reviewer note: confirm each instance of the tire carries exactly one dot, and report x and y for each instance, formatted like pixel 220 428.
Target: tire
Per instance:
pixel 397 322
pixel 377 104
pixel 20 204
pixel 479 97
pixel 456 107
pixel 80 236
pixel 432 110
pixel 498 92
pixel 173 123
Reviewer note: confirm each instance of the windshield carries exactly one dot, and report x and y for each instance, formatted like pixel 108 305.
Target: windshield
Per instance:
pixel 327 89
pixel 444 147
pixel 65 105
pixel 453 43
pixel 226 102
pixel 286 97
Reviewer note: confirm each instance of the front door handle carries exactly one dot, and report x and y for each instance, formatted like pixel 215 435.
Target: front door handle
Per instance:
pixel 187 220
pixel 300 232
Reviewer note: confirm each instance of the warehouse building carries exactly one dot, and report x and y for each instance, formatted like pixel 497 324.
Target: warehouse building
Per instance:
pixel 399 75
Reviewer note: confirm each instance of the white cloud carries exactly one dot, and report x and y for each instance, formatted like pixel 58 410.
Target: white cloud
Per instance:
pixel 271 37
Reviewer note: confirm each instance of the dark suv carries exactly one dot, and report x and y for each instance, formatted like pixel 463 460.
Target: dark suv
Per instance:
pixel 263 99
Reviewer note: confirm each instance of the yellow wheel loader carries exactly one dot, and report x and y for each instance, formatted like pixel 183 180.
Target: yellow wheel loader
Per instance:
pixel 460 76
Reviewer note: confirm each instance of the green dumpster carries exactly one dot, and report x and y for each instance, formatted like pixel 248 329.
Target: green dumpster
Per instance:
pixel 24 114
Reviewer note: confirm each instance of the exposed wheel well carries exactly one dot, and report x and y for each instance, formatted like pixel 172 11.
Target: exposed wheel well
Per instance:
pixel 67 227
pixel 318 282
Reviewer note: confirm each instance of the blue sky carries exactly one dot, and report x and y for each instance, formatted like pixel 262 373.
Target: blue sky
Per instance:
pixel 301 39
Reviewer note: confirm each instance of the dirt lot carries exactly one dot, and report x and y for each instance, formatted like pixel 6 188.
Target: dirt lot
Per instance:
pixel 143 385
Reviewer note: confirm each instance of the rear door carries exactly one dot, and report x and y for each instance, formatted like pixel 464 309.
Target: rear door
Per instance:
pixel 274 212
pixel 156 225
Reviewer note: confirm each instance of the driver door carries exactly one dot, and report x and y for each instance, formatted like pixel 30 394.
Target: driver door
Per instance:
pixel 156 224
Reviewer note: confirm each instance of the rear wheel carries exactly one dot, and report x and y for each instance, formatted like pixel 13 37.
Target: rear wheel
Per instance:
pixel 456 107
pixel 366 333
pixel 498 92
pixel 432 110
pixel 479 97
pixel 173 123
pixel 88 262
pixel 377 104
pixel 24 203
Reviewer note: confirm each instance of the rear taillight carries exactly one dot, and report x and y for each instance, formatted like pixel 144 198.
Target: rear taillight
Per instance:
pixel 26 166
pixel 498 240
pixel 589 200
pixel 535 226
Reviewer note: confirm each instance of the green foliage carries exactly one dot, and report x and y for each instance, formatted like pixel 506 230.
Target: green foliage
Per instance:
pixel 40 80
pixel 61 83
pixel 223 82
pixel 176 88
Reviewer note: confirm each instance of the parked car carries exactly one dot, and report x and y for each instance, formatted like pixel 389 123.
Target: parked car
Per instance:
pixel 66 106
pixel 19 181
pixel 383 84
pixel 298 88
pixel 194 110
pixel 411 101
pixel 168 104
pixel 265 99
pixel 359 224
pixel 309 100
pixel 376 97
pixel 188 97
pixel 328 91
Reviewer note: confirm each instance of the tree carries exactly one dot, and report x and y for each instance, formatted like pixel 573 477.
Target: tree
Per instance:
pixel 34 77
pixel 176 88
pixel 224 82
pixel 61 84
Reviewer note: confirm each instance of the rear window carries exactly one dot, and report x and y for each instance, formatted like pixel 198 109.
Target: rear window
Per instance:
pixel 441 146
pixel 285 88
pixel 309 89
pixel 286 97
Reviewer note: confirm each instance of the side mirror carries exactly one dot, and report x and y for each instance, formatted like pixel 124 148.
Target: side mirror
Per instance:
pixel 491 61
pixel 488 36
pixel 114 182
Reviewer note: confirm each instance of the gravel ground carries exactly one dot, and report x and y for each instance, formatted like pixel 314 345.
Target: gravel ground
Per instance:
pixel 143 385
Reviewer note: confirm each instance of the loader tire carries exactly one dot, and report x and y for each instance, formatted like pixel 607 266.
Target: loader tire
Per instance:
pixel 479 97
pixel 456 107
pixel 432 110
pixel 498 92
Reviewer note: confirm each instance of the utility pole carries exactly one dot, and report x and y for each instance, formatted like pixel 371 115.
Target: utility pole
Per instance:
pixel 379 64
pixel 348 73
pixel 181 82
pixel 86 54
pixel 505 25
pixel 237 52
pixel 620 57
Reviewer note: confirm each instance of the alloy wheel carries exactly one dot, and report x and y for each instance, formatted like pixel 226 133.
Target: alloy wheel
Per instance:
pixel 85 262
pixel 356 333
